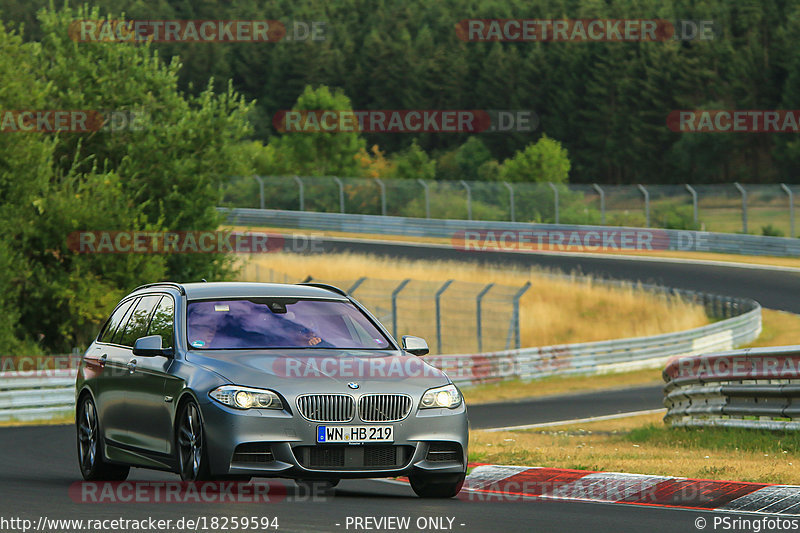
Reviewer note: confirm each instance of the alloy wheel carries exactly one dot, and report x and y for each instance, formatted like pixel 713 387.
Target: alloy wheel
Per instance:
pixel 190 443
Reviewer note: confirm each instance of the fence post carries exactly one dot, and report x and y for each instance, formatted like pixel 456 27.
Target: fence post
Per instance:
pixel 357 284
pixel 478 321
pixel 788 191
pixel 427 199
pixel 515 316
pixel 694 200
pixel 395 292
pixel 383 195
pixel 602 194
pixel 744 205
pixel 260 190
pixel 646 205
pixel 341 193
pixel 301 192
pixel 510 200
pixel 555 198
pixel 439 315
pixel 469 198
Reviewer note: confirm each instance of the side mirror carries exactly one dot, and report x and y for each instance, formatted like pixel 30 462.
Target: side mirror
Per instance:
pixel 149 346
pixel 415 345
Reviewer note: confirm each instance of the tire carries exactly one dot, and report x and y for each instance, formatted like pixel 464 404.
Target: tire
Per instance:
pixel 432 486
pixel 190 444
pixel 91 460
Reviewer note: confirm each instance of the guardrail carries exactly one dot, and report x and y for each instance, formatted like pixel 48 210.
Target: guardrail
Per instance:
pixel 37 394
pixel 741 324
pixel 751 388
pixel 732 207
pixel 474 234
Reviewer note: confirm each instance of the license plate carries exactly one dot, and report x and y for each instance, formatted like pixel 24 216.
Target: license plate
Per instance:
pixel 346 434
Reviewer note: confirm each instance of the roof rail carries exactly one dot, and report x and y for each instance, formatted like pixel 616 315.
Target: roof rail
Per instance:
pixel 158 283
pixel 337 290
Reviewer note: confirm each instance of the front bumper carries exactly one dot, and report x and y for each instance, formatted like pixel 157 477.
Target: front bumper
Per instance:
pixel 291 436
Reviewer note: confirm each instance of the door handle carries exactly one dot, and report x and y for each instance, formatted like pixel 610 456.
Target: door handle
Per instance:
pixel 132 366
pixel 102 360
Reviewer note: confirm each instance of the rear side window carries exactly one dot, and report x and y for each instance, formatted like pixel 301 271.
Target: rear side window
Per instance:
pixel 139 320
pixel 113 323
pixel 161 323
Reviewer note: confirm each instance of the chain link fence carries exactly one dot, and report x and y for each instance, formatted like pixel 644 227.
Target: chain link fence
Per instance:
pixel 728 208
pixel 453 316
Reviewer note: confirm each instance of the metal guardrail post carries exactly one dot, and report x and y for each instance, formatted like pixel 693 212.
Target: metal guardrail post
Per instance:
pixel 478 300
pixel 744 206
pixel 646 205
pixel 341 193
pixel 395 292
pixel 517 296
pixel 788 191
pixel 602 194
pixel 469 198
pixel 694 200
pixel 510 201
pixel 427 198
pixel 383 195
pixel 439 314
pixel 356 285
pixel 555 198
pixel 260 190
pixel 300 192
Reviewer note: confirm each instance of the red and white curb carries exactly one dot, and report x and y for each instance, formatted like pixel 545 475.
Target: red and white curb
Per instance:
pixel 519 483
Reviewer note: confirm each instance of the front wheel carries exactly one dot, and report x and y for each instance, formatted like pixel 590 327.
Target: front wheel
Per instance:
pixel 433 486
pixel 90 446
pixel 190 437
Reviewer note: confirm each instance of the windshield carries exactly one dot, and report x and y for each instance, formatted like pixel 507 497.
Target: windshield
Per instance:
pixel 280 323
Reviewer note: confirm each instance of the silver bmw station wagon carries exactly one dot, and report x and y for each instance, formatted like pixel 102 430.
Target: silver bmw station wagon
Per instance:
pixel 241 380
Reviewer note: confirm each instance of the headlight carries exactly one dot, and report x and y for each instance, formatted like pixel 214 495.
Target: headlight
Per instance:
pixel 447 396
pixel 246 397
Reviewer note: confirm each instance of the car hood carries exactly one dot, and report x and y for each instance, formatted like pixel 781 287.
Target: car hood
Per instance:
pixel 322 370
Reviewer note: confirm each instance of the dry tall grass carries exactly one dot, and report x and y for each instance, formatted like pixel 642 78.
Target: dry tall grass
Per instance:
pixel 552 311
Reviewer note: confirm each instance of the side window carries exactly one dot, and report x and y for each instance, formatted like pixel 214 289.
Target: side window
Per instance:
pixel 162 321
pixel 113 323
pixel 138 321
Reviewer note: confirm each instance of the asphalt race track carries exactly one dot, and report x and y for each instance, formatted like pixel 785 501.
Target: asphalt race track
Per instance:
pixel 555 408
pixel 39 464
pixel 772 288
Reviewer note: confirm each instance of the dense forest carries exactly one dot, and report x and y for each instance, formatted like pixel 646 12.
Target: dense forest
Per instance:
pixel 207 115
pixel 607 103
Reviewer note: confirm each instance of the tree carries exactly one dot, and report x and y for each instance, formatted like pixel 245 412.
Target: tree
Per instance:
pixel 544 161
pixel 318 153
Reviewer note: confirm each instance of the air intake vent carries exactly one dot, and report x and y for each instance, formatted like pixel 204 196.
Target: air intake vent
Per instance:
pixel 439 452
pixel 326 407
pixel 253 453
pixel 341 457
pixel 384 407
